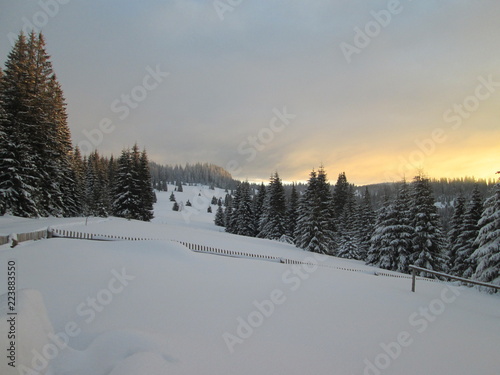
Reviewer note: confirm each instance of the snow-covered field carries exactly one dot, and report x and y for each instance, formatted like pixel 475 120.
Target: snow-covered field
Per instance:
pixel 155 307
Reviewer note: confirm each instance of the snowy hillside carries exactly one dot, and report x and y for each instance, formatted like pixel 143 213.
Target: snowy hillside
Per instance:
pixel 154 307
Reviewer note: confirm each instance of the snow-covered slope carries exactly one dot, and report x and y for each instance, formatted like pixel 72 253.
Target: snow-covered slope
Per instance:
pixel 155 307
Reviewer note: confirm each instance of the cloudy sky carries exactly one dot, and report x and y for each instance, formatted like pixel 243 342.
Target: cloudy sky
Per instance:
pixel 377 89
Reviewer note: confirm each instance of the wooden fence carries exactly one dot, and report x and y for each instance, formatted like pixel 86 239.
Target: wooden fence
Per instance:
pixel 63 233
pixel 4 240
pixel 414 270
pixel 22 237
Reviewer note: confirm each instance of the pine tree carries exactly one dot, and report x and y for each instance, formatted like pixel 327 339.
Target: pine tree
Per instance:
pixel 243 212
pixel 292 213
pixel 366 224
pixel 455 229
pixel 379 243
pixel 3 143
pixel 487 254
pixel 35 161
pixel 428 240
pixel 348 229
pixel 175 207
pixel 258 207
pixel 404 231
pixel 219 216
pixel 464 264
pixel 146 192
pixel 340 195
pixel 314 226
pixel 19 177
pixel 172 197
pixel 272 224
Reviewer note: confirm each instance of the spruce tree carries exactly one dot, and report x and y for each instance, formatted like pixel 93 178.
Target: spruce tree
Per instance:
pixel 314 225
pixel 147 195
pixel 258 206
pixel 366 224
pixel 19 177
pixel 464 264
pixel 340 195
pixel 292 213
pixel 35 161
pixel 243 212
pixel 403 232
pixel 272 224
pixel 219 216
pixel 380 239
pixel 487 253
pixel 428 241
pixel 348 229
pixel 455 229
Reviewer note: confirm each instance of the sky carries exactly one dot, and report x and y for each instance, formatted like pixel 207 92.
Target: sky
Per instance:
pixel 375 89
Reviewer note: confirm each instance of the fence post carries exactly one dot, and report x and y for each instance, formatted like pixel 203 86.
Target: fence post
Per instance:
pixel 414 276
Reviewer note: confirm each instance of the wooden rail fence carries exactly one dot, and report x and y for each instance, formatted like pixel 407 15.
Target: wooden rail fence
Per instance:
pixel 414 270
pixel 63 233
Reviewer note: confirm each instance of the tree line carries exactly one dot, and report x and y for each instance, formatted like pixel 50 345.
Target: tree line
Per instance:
pixel 341 221
pixel 41 174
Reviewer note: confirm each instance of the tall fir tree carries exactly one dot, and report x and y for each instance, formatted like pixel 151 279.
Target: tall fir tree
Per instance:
pixel 487 253
pixel 455 229
pixel 464 264
pixel 272 223
pixel 19 177
pixel 366 224
pixel 147 195
pixel 292 213
pixel 349 230
pixel 258 206
pixel 243 214
pixel 219 219
pixel 404 231
pixel 35 161
pixel 428 250
pixel 340 195
pixel 314 225
pixel 379 240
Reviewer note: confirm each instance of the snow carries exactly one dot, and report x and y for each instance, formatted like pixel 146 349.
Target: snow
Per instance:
pixel 155 307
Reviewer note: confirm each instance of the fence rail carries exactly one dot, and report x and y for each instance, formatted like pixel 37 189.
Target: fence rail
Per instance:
pixel 4 240
pixel 63 233
pixel 414 270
